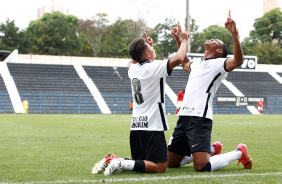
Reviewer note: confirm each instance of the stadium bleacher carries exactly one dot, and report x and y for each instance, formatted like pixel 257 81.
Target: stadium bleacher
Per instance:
pixel 255 83
pixel 52 88
pixel 47 78
pixel 109 80
pixel 59 89
pixel 5 101
pixel 178 80
pixel 114 85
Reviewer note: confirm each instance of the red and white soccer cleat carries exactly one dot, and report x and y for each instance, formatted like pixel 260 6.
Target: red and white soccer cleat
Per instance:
pixel 110 157
pixel 114 166
pixel 246 160
pixel 217 148
pixel 102 164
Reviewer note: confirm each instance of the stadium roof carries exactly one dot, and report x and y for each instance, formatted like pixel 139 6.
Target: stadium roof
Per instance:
pixel 4 54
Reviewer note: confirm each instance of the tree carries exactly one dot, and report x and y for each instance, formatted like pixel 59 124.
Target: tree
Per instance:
pixel 248 46
pixel 265 40
pixel 136 28
pixel 92 30
pixel 215 32
pixel 12 37
pixel 163 40
pixel 268 27
pixel 116 40
pixel 54 34
pixel 117 37
pixel 194 36
pixel 268 53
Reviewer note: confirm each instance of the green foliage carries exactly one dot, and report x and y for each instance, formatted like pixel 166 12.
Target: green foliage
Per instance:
pixel 59 34
pixel 268 53
pixel 248 46
pixel 215 32
pixel 162 37
pixel 86 49
pixel 268 27
pixel 54 34
pixel 92 31
pixel 117 37
pixel 115 40
pixel 60 148
pixel 12 37
pixel 265 40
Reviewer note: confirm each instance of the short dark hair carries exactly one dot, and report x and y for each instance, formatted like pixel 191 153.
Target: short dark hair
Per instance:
pixel 225 51
pixel 137 48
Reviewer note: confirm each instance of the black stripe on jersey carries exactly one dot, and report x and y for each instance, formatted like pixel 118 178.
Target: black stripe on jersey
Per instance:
pixel 162 89
pixel 211 84
pixel 162 116
pixel 167 67
pixel 207 105
pixel 208 91
pixel 190 65
pixel 225 66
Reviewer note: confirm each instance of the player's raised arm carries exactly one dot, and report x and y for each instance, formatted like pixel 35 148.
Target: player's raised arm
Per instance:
pixel 238 59
pixel 148 39
pixel 181 53
pixel 175 33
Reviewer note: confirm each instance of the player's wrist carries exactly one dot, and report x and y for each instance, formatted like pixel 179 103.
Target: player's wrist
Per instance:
pixel 234 33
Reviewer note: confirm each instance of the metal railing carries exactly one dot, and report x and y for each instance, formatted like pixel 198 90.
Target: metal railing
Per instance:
pixel 61 103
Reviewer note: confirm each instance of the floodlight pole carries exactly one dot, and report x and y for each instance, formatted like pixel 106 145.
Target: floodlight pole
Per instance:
pixel 188 50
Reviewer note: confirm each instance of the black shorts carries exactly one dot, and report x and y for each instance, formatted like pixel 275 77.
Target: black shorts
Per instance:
pixel 191 134
pixel 148 145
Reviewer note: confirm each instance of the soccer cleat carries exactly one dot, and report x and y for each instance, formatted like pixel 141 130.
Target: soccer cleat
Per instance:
pixel 113 166
pixel 99 166
pixel 217 148
pixel 246 160
pixel 110 157
pixel 102 164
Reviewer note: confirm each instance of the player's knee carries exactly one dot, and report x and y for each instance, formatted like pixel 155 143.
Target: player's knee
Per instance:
pixel 207 167
pixel 161 169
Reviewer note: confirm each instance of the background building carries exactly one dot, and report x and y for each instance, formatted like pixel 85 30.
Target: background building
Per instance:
pixel 271 4
pixel 53 5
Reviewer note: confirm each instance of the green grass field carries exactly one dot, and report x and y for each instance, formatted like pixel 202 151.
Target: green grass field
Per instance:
pixel 64 148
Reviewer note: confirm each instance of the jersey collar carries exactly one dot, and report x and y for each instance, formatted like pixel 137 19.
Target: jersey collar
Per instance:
pixel 208 58
pixel 143 62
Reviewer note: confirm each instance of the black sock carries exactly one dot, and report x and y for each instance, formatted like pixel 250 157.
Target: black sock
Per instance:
pixel 139 166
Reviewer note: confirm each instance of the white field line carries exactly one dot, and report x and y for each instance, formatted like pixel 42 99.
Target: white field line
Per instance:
pixel 151 178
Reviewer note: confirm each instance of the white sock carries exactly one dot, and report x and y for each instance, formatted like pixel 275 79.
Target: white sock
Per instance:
pixel 188 160
pixel 127 165
pixel 222 160
pixel 212 150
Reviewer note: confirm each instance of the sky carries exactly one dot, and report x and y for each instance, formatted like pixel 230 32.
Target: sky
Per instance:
pixel 205 12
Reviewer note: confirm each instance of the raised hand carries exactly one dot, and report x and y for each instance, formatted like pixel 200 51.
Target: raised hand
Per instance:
pixel 175 31
pixel 148 39
pixel 230 24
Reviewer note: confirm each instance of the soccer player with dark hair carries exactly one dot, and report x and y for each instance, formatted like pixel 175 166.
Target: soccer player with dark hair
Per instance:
pixel 192 134
pixel 147 139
